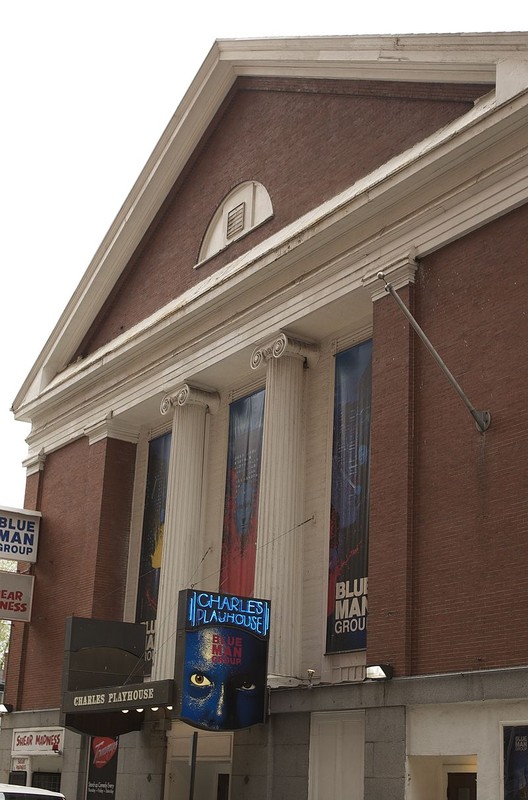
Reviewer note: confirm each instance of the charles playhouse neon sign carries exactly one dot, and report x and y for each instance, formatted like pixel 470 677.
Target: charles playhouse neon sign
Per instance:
pixel 210 608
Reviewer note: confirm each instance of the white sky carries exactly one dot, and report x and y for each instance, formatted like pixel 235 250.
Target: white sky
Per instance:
pixel 86 91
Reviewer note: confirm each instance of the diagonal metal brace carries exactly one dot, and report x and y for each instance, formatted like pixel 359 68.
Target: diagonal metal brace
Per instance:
pixel 482 418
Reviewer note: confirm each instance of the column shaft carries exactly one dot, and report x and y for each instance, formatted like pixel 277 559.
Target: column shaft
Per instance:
pixel 181 536
pixel 279 553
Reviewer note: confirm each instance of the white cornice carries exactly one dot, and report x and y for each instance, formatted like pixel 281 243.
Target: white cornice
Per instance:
pixel 34 463
pixel 400 273
pixel 467 58
pixel 429 195
pixel 109 428
pixel 457 57
pixel 116 387
pixel 343 242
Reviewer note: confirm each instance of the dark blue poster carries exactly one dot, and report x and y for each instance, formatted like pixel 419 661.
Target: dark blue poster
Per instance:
pixel 152 540
pixel 347 571
pixel 239 539
pixel 102 768
pixel 516 762
pixel 221 660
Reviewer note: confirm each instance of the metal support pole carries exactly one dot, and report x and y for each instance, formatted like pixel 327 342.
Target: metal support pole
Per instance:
pixel 193 764
pixel 482 418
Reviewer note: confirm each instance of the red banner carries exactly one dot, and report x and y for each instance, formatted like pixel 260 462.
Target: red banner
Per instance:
pixel 239 540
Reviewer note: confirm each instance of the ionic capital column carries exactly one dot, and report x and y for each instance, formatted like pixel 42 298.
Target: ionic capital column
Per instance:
pixel 187 395
pixel 285 345
pixel 278 567
pixel 181 534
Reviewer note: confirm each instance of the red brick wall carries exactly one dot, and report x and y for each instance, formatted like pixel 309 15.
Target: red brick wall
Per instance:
pixel 86 494
pixel 468 569
pixel 391 519
pixel 305 141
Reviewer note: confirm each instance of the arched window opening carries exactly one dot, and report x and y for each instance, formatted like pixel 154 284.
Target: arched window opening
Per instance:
pixel 245 207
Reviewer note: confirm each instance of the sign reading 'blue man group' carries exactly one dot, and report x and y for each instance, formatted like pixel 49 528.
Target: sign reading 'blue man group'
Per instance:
pixel 221 660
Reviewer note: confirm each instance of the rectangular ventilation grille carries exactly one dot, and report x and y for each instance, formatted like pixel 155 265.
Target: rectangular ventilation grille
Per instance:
pixel 235 220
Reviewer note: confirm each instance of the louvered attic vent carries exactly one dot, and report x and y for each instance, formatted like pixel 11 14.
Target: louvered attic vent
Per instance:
pixel 245 207
pixel 235 220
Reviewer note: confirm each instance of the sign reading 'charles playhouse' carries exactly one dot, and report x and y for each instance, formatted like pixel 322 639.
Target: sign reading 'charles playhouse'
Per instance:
pixel 221 660
pixel 114 698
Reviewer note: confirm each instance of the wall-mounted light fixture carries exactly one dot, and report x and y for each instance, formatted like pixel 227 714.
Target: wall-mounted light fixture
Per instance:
pixel 5 708
pixel 379 672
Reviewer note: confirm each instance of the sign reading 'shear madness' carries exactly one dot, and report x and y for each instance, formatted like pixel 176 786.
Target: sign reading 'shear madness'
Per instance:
pixel 16 596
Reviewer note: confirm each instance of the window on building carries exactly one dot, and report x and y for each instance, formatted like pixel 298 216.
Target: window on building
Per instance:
pixel 18 777
pixel 46 780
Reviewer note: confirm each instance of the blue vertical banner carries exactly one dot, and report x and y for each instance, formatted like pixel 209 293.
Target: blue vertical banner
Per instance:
pixel 516 762
pixel 152 540
pixel 239 539
pixel 348 558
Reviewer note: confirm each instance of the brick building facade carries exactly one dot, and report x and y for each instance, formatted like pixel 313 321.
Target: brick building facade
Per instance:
pixel 245 259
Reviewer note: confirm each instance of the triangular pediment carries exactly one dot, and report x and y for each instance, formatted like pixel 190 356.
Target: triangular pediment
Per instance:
pixel 248 112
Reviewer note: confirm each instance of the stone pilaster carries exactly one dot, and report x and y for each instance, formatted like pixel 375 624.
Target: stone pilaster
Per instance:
pixel 279 554
pixel 181 535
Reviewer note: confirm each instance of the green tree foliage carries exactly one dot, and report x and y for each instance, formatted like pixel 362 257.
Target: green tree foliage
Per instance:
pixel 5 625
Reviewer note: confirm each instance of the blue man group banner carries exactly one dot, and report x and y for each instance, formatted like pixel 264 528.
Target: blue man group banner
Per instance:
pixel 516 762
pixel 19 534
pixel 347 577
pixel 221 660
pixel 239 540
pixel 152 540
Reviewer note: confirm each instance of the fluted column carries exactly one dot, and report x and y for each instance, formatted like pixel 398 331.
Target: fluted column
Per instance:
pixel 279 557
pixel 181 536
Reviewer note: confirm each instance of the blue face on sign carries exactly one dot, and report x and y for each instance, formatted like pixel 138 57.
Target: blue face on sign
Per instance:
pixel 224 679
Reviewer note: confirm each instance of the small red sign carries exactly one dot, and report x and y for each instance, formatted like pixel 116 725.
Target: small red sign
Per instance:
pixel 104 750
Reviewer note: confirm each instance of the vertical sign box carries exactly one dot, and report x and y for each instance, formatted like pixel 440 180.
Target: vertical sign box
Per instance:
pixel 221 660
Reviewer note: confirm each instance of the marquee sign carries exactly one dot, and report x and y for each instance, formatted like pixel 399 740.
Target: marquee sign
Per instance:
pixel 221 660
pixel 112 698
pixel 19 532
